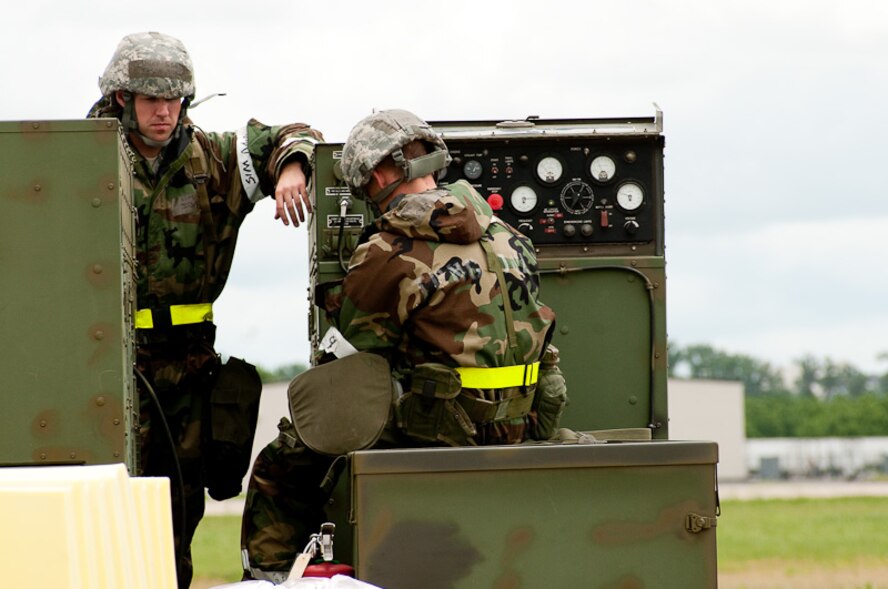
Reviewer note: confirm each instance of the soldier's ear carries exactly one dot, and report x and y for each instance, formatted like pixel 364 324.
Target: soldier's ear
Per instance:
pixel 377 179
pixel 118 96
pixel 382 176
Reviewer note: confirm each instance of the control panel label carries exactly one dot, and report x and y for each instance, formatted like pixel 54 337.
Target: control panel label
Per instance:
pixel 333 221
pixel 337 191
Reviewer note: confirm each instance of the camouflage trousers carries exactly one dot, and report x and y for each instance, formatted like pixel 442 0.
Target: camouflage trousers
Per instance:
pixel 290 485
pixel 180 371
pixel 285 504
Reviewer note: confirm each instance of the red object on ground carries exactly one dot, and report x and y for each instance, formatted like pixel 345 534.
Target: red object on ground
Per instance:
pixel 328 569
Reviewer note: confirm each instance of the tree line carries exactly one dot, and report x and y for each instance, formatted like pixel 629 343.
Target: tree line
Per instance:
pixel 823 398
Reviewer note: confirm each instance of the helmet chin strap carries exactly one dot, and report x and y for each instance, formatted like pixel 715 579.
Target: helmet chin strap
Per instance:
pixel 131 123
pixel 383 194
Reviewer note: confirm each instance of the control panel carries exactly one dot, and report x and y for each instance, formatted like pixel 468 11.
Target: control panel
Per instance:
pixel 567 182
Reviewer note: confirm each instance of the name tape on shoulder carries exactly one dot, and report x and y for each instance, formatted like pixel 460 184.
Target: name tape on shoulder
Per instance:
pixel 249 177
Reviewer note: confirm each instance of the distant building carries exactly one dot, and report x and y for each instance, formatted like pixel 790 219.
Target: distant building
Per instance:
pixel 711 410
pixel 817 457
pixel 272 407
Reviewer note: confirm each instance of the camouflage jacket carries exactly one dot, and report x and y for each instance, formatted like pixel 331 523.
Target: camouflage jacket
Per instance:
pixel 185 237
pixel 419 289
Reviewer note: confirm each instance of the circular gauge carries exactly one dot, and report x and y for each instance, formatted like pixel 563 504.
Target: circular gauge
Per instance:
pixel 602 168
pixel 472 169
pixel 523 199
pixel 630 196
pixel 577 197
pixel 550 169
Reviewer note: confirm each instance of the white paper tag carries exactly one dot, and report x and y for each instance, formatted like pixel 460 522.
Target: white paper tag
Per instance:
pixel 299 566
pixel 335 343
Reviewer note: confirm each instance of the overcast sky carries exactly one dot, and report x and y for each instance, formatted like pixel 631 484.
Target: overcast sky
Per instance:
pixel 775 122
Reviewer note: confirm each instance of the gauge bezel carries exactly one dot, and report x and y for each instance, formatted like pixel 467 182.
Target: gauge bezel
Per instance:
pixel 518 211
pixel 595 157
pixel 480 169
pixel 556 157
pixel 644 193
pixel 591 197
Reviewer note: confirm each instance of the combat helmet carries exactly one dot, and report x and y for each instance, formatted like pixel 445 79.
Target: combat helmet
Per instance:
pixel 384 134
pixel 152 64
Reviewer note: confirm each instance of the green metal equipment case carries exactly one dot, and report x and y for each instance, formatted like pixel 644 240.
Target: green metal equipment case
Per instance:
pixel 603 516
pixel 66 294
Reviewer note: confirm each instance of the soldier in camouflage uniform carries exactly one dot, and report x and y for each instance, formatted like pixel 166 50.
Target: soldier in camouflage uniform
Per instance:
pixel 191 191
pixel 440 287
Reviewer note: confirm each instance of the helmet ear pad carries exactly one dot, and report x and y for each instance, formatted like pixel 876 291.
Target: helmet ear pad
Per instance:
pixel 431 163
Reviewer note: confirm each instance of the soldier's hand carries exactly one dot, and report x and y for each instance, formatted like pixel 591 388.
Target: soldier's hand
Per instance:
pixel 291 195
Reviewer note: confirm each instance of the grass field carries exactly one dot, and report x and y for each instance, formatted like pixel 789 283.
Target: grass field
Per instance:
pixel 764 544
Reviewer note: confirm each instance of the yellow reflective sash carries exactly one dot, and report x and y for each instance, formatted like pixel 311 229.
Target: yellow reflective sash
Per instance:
pixel 499 378
pixel 178 315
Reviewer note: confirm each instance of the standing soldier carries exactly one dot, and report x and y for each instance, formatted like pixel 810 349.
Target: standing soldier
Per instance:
pixel 448 294
pixel 191 191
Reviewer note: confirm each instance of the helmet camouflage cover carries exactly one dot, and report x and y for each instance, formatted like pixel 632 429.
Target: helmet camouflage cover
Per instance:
pixel 152 64
pixel 379 135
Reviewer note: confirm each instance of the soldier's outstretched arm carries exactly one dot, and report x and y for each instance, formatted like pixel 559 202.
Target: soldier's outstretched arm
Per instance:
pixel 291 195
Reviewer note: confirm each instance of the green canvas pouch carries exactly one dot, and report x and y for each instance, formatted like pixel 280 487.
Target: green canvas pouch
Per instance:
pixel 233 414
pixel 343 405
pixel 429 412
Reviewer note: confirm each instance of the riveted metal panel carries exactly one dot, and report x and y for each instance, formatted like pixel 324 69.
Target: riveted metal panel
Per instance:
pixel 66 294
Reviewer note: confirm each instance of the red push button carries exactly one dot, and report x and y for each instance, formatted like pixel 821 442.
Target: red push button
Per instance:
pixel 495 201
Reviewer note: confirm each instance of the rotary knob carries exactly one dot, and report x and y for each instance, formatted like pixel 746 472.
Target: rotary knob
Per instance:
pixel 569 231
pixel 631 227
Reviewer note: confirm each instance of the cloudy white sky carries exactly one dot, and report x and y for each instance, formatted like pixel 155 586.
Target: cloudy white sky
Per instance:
pixel 776 124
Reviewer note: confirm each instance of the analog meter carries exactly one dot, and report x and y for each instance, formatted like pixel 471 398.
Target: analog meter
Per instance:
pixel 472 169
pixel 550 169
pixel 630 196
pixel 602 168
pixel 577 197
pixel 523 199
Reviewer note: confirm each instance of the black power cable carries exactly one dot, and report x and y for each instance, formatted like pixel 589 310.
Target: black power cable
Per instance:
pixel 180 481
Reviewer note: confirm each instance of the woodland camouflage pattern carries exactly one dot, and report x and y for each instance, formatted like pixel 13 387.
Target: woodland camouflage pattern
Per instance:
pixel 185 247
pixel 188 216
pixel 152 64
pixel 419 290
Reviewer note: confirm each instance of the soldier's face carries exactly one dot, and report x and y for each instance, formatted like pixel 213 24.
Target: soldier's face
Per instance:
pixel 157 116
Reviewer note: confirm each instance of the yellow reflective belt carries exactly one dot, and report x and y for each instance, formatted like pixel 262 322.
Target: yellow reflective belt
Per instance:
pixel 499 378
pixel 179 315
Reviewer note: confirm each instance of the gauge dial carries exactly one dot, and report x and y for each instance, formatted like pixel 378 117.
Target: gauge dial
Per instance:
pixel 473 169
pixel 602 168
pixel 577 197
pixel 523 199
pixel 630 196
pixel 550 169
